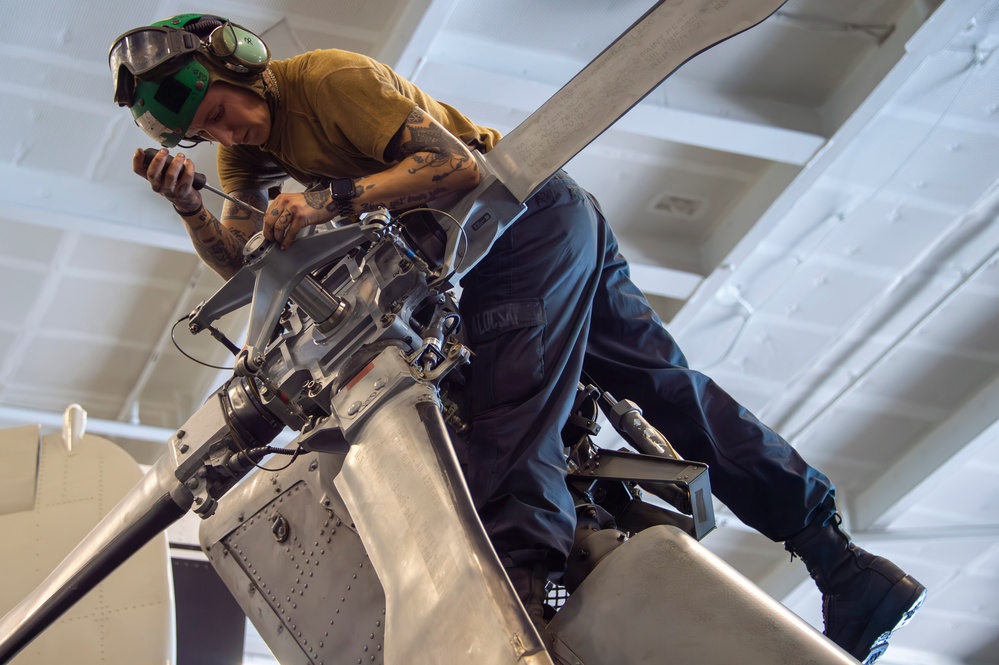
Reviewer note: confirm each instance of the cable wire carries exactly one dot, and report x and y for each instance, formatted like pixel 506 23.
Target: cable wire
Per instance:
pixel 173 339
pixel 246 452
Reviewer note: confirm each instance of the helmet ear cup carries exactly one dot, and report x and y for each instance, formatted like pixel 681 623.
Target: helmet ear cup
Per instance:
pixel 241 50
pixel 230 45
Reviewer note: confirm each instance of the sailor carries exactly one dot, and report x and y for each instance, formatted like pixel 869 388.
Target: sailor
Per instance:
pixel 552 298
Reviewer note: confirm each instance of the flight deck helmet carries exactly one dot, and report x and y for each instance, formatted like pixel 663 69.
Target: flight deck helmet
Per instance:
pixel 162 71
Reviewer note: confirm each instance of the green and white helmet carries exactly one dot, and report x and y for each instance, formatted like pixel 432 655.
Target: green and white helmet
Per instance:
pixel 162 72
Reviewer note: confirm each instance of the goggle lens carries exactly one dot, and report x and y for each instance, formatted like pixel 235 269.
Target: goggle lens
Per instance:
pixel 148 53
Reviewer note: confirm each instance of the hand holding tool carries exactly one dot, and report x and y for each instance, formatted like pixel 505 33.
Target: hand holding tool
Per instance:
pixel 200 182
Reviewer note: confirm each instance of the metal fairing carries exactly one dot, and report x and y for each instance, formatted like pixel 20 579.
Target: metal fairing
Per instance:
pixel 422 532
pixel 683 605
pixel 297 567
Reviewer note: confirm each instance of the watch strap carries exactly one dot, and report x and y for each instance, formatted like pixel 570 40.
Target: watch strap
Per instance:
pixel 343 191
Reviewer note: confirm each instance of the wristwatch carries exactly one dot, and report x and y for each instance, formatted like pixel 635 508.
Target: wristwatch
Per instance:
pixel 343 192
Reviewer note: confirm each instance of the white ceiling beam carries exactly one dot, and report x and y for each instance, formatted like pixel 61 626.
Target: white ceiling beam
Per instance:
pixel 934 35
pixel 873 67
pixel 730 135
pixel 986 532
pixel 181 306
pixel 413 35
pixel 659 281
pixel 131 214
pixel 95 227
pixel 726 134
pixel 930 462
pixel 20 416
pixel 740 219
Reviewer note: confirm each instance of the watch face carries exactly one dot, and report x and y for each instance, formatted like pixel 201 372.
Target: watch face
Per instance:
pixel 342 188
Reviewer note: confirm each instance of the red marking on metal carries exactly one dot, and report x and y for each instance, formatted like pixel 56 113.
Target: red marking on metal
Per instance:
pixel 360 375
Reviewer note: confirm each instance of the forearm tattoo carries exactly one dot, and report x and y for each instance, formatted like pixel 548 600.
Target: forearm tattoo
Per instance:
pixel 220 245
pixel 442 150
pixel 238 214
pixel 427 147
pixel 220 248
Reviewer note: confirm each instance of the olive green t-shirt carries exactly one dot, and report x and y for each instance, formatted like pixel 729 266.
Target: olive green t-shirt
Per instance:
pixel 334 116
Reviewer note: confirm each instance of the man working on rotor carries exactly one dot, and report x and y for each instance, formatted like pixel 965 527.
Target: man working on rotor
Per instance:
pixel 551 299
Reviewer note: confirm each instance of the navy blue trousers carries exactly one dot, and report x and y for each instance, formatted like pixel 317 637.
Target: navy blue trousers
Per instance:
pixel 754 471
pixel 554 297
pixel 526 312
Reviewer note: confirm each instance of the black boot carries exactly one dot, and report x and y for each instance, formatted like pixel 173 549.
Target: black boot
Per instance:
pixel 531 584
pixel 865 598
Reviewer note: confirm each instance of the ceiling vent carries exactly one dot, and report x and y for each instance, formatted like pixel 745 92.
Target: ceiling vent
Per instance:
pixel 679 206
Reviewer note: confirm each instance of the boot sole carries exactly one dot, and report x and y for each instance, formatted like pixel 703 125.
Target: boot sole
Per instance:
pixel 905 598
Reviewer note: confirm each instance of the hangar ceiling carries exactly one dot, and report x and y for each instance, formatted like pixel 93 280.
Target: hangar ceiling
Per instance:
pixel 811 206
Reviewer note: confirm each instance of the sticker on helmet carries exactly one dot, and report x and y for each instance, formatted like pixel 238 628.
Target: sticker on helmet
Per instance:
pixel 148 123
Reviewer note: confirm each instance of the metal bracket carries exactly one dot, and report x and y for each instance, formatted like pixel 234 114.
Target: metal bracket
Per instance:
pixel 655 474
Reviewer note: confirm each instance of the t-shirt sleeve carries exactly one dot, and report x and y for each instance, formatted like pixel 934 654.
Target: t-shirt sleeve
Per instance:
pixel 363 106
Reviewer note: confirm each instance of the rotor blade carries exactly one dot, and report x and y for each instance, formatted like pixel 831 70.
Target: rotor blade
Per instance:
pixel 659 43
pixel 446 594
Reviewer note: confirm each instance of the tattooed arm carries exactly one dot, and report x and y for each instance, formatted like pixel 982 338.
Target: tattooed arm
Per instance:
pixel 430 163
pixel 219 243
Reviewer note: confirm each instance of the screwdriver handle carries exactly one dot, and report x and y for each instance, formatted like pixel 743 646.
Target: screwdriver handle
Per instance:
pixel 149 153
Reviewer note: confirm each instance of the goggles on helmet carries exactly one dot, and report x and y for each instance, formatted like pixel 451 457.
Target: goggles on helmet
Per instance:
pixel 147 53
pixel 152 52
